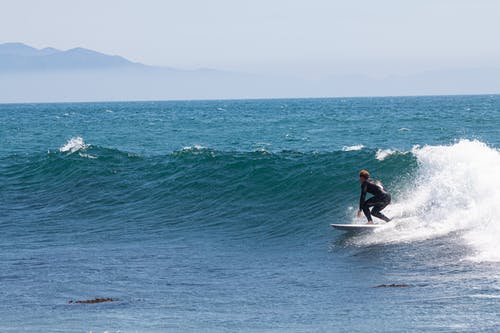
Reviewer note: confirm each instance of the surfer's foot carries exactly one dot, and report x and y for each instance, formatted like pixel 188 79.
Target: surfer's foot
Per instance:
pixel 370 222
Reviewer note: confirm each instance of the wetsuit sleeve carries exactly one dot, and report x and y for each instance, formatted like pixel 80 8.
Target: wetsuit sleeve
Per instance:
pixel 364 187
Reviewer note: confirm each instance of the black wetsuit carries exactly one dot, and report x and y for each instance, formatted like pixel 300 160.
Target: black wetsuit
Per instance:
pixel 381 198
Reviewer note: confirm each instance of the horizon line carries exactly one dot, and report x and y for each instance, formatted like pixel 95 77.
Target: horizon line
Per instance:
pixel 249 99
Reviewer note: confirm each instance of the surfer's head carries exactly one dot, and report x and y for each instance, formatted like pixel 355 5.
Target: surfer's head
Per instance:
pixel 363 175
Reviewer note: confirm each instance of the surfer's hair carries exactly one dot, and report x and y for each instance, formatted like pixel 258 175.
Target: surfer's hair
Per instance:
pixel 365 174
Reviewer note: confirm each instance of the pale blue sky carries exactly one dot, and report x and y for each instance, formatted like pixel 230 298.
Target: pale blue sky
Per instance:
pixel 306 38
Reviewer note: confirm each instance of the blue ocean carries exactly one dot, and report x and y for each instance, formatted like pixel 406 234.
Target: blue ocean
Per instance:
pixel 214 216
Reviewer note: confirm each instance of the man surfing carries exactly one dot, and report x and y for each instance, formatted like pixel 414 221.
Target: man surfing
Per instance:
pixel 381 198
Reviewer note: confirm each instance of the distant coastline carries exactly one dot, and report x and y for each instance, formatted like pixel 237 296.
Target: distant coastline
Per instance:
pixel 30 75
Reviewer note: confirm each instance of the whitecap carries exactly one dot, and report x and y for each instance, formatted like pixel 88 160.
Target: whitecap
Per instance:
pixel 74 144
pixel 263 151
pixel 353 148
pixel 193 148
pixel 382 154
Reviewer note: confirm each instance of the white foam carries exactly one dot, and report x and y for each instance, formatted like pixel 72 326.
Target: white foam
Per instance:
pixel 92 157
pixel 353 148
pixel 193 148
pixel 74 144
pixel 382 154
pixel 263 151
pixel 456 192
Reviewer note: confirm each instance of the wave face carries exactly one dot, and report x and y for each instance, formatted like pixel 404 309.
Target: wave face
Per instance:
pixel 248 194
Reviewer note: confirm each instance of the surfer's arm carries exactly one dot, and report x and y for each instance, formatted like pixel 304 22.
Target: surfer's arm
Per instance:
pixel 363 196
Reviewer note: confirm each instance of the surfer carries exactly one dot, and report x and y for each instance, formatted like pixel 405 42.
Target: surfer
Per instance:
pixel 381 198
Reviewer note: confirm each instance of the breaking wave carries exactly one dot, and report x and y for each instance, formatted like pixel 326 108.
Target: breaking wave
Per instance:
pixel 455 191
pixel 446 190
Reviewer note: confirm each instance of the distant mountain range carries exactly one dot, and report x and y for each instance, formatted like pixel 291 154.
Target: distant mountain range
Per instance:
pixel 28 74
pixel 18 57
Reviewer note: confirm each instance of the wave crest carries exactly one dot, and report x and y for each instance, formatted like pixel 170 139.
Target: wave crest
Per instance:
pixel 353 148
pixel 73 145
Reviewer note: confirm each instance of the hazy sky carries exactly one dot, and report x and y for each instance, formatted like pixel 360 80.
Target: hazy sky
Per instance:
pixel 314 37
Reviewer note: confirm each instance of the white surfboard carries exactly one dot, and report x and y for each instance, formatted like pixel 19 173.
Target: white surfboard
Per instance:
pixel 357 227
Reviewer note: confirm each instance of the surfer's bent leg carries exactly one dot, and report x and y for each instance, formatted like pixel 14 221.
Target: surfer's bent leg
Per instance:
pixel 366 208
pixel 378 206
pixel 366 211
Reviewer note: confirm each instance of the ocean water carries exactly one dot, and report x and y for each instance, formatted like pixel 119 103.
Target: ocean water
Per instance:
pixel 214 216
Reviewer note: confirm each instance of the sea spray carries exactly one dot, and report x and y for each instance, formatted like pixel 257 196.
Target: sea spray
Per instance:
pixel 455 190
